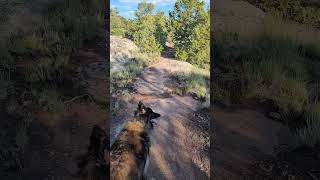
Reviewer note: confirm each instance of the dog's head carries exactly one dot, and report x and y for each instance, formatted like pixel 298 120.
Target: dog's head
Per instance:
pixel 146 114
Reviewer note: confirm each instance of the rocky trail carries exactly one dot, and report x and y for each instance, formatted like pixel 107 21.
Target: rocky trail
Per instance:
pixel 179 150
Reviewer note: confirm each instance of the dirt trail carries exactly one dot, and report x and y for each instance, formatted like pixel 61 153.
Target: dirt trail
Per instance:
pixel 243 136
pixel 178 150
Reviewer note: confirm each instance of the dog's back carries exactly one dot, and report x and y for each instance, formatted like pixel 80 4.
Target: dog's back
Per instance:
pixel 129 153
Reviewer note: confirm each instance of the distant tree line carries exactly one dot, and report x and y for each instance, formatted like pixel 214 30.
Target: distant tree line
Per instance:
pixel 187 27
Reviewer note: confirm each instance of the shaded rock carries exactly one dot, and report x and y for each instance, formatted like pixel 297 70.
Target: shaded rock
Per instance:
pixel 274 115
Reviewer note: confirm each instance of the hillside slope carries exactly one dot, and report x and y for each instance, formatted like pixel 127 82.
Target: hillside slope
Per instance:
pixel 248 143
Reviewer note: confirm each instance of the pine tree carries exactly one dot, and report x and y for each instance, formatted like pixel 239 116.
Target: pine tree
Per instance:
pixel 191 31
pixel 144 35
pixel 161 32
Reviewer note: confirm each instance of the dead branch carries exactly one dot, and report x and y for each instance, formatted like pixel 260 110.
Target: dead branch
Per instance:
pixel 78 97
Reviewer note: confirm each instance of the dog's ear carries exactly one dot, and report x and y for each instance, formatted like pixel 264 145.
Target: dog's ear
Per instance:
pixel 151 114
pixel 140 109
pixel 140 105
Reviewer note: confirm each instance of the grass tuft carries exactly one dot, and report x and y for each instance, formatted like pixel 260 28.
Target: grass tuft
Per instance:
pixel 194 82
pixel 310 135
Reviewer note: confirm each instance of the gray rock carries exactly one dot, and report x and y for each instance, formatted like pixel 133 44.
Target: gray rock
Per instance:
pixel 122 50
pixel 274 115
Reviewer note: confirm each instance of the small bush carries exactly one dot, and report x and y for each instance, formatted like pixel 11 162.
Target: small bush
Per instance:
pixel 194 82
pixel 117 23
pixel 51 101
pixel 47 69
pixel 220 95
pixel 279 79
pixel 122 81
pixel 147 42
pixel 146 58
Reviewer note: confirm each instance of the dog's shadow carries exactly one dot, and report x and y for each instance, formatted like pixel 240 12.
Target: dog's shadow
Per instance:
pixel 94 164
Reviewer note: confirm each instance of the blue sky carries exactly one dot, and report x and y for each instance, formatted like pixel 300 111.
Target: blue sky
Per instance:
pixel 126 8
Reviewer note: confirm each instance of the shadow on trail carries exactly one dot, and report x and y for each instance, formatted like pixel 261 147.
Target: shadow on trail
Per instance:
pixel 168 52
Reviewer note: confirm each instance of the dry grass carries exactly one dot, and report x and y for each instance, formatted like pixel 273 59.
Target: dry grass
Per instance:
pixel 274 64
pixel 196 81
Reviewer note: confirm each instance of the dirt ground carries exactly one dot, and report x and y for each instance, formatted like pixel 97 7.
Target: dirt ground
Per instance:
pixel 57 140
pixel 242 137
pixel 248 145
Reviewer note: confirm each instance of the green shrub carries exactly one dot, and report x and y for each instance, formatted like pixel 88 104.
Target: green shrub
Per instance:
pixel 195 82
pixel 144 37
pixel 279 79
pixel 161 31
pixel 220 95
pixel 117 23
pixel 143 30
pixel 310 135
pixel 273 64
pixel 199 52
pixel 144 58
pixel 131 27
pixel 34 44
pixel 147 42
pixel 51 101
pixel 47 69
pixel 121 82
